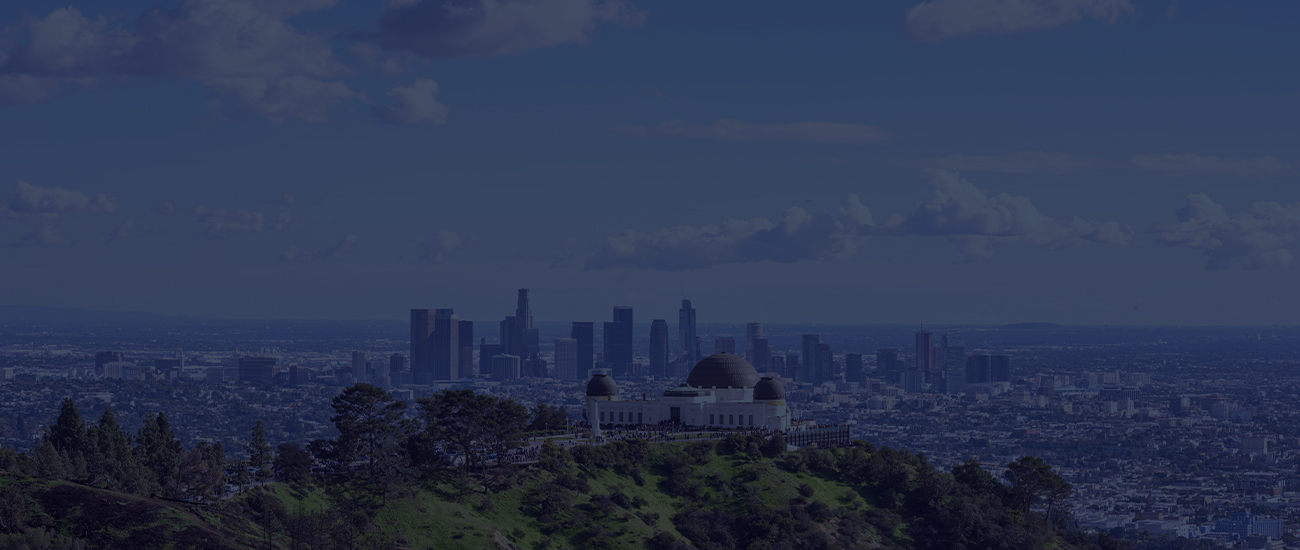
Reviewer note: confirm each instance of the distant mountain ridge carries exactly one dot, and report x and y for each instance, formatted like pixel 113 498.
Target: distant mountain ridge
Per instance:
pixel 1032 326
pixel 46 313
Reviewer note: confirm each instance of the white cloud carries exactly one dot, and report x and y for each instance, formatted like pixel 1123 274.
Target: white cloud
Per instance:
pixel 1261 239
pixel 120 232
pixel 1192 165
pixel 243 49
pixel 940 19
pixel 735 130
pixel 416 103
pixel 479 28
pixel 32 199
pixel 799 235
pixel 978 222
pixel 222 223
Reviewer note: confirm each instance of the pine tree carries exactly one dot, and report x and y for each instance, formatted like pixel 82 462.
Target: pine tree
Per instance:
pixel 259 454
pixel 114 465
pixel 68 434
pixel 159 451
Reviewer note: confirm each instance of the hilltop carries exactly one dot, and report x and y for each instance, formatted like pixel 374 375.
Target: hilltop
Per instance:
pixel 742 492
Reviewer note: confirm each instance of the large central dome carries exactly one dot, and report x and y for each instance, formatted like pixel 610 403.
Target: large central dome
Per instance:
pixel 723 370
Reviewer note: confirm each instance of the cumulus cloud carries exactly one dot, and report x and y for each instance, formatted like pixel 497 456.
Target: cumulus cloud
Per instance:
pixel 416 103
pixel 1260 239
pixel 221 223
pixel 1021 162
pixel 433 249
pixel 735 130
pixel 243 49
pixel 978 222
pixel 121 232
pixel 333 252
pixel 480 28
pixel 1193 165
pixel 940 19
pixel 44 234
pixel 36 200
pixel 798 235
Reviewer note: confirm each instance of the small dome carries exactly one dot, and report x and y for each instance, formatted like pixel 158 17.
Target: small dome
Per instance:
pixel 768 389
pixel 602 385
pixel 723 370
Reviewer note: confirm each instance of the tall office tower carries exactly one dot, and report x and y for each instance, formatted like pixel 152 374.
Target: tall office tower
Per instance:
pixel 359 371
pixel 486 352
pixel 724 344
pixel 618 341
pixel 925 351
pixel 762 359
pixel 421 330
pixel 954 361
pixel 505 367
pixel 977 369
pixel 444 345
pixel 777 364
pixel 826 362
pixel 465 349
pixel 688 343
pixel 810 370
pixel 753 331
pixel 585 334
pixel 792 366
pixel 509 336
pixel 999 368
pixel 853 371
pixel 566 359
pixel 299 375
pixel 659 348
pixel 396 366
pixel 378 374
pixel 107 357
pixel 888 366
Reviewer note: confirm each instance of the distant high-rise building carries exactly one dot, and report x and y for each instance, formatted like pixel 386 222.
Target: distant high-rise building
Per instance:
pixel 762 360
pixel 444 345
pixel 585 334
pixel 792 365
pixel 421 330
pixel 913 380
pixel 828 369
pixel 688 342
pixel 999 368
pixel 777 364
pixel 753 333
pixel 925 351
pixel 566 359
pixel 107 357
pixel 659 348
pixel 505 367
pixel 258 370
pixel 359 370
pixel 853 371
pixel 810 369
pixel 724 344
pixel 486 352
pixel 465 355
pixel 618 341
pixel 396 365
pixel 978 369
pixel 888 366
pixel 299 375
pixel 954 361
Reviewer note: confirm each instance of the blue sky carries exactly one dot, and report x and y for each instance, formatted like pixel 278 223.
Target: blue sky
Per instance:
pixel 953 161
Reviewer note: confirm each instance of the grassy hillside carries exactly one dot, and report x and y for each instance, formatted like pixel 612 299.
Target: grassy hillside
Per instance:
pixel 740 493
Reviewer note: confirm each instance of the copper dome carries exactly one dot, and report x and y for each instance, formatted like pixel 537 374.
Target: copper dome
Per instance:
pixel 723 370
pixel 602 385
pixel 768 389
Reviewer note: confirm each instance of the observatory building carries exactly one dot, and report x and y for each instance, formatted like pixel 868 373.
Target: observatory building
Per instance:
pixel 722 391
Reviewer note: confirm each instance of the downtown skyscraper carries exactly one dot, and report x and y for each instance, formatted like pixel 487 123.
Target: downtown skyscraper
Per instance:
pixel 618 341
pixel 658 348
pixel 688 342
pixel 585 334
